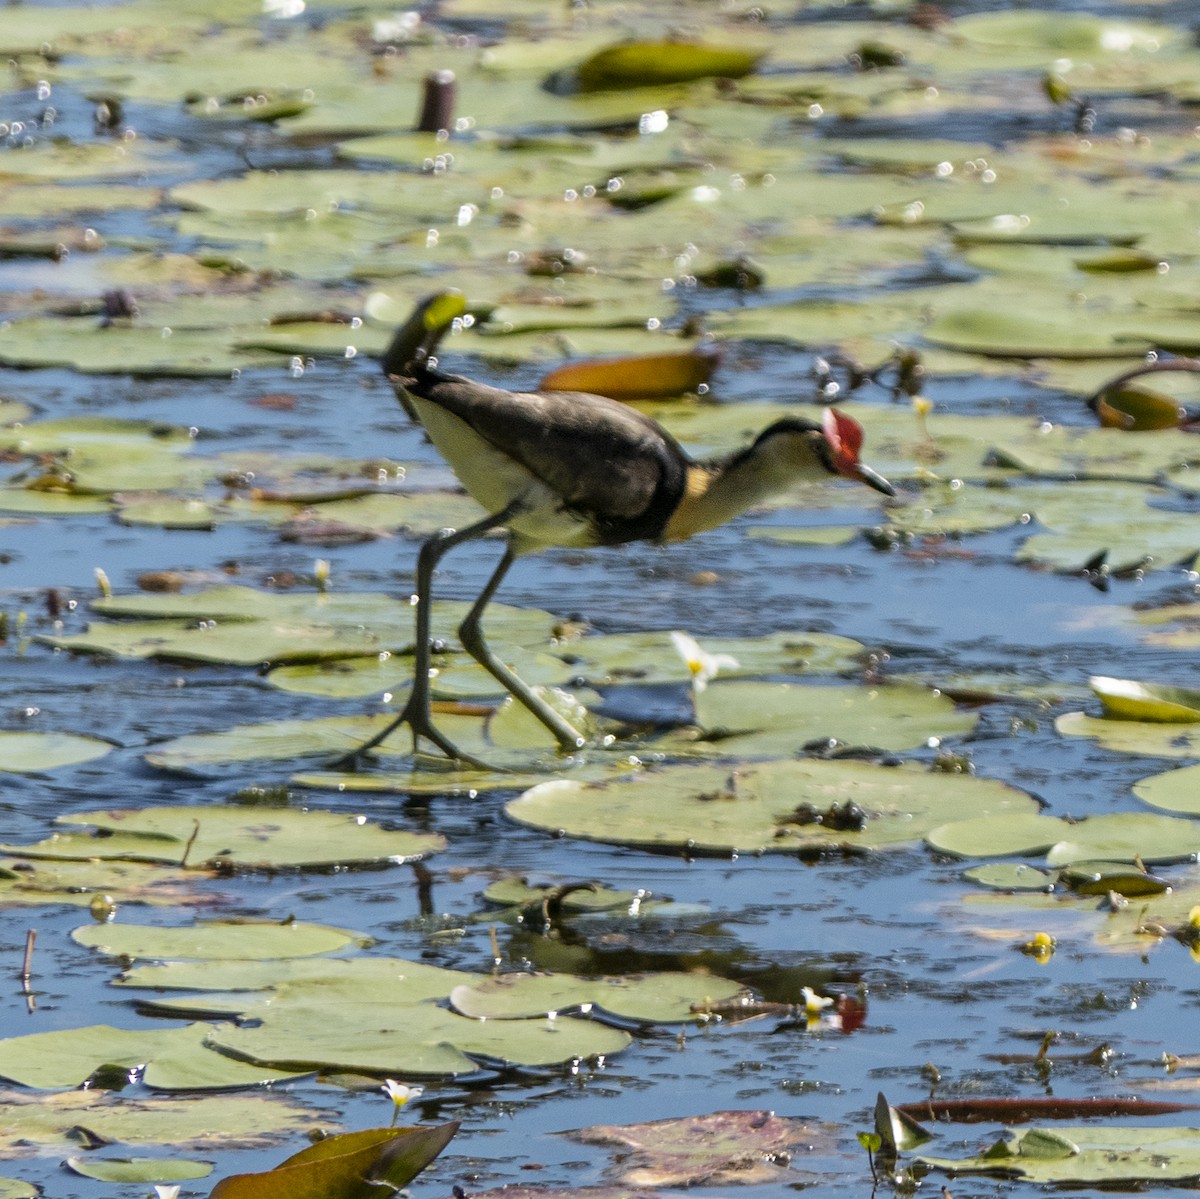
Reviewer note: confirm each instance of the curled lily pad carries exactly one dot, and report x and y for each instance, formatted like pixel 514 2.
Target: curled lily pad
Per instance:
pixel 1136 408
pixel 650 64
pixel 647 377
pixel 1127 699
pixel 337 1165
pixel 1104 878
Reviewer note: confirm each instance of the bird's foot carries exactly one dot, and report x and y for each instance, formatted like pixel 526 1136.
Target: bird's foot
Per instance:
pixel 418 719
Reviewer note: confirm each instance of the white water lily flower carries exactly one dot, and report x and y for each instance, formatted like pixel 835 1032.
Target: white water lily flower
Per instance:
pixel 701 665
pixel 399 1094
pixel 814 1003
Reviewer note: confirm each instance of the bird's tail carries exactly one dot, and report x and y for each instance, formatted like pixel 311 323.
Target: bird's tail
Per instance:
pixel 417 339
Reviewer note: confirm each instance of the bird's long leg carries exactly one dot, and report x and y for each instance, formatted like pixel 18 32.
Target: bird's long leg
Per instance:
pixel 416 713
pixel 470 633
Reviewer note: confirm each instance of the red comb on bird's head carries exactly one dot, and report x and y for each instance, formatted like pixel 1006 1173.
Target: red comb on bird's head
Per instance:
pixel 845 437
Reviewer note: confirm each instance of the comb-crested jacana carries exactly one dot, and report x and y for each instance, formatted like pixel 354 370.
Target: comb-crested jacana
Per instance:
pixel 573 469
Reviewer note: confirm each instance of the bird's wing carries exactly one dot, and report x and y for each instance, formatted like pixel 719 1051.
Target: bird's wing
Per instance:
pixel 606 460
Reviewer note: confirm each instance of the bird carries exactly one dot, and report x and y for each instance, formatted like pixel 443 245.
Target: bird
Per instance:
pixel 572 469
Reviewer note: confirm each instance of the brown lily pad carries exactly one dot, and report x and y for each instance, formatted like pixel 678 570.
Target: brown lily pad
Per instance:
pixel 718 1149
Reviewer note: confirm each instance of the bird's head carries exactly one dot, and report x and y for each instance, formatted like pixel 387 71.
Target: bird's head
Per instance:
pixel 829 447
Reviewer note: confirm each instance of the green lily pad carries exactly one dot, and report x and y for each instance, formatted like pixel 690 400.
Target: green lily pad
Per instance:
pixel 1133 736
pixel 49 1124
pixel 83 345
pixel 32 753
pixel 236 837
pixel 77 883
pixel 426 1041
pixel 997 836
pixel 1173 791
pixel 649 998
pixel 766 719
pixel 1128 837
pixel 167 512
pixel 169 1059
pixel 652 657
pixel 377 979
pixel 1082 1155
pixel 1006 334
pixel 1010 876
pixel 768 807
pixel 237 643
pixel 219 939
pixel 24 501
pixel 136 1170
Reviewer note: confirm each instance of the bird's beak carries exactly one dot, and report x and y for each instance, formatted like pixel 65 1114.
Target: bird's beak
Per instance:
pixel 872 478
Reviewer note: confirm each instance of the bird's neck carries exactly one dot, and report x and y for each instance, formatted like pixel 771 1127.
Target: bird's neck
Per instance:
pixel 719 490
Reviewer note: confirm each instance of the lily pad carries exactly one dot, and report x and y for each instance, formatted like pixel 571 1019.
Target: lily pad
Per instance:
pixel 136 1170
pixel 338 1164
pixel 425 1041
pixel 768 807
pixel 652 657
pixel 168 1059
pixel 649 998
pixel 238 940
pixel 766 719
pixel 1173 791
pixel 49 1124
pixel 1128 837
pixel 28 882
pixel 1086 1154
pixel 237 837
pixel 650 64
pixel 31 753
pixel 1010 876
pixel 997 836
pixel 1133 736
pixel 719 1148
pixel 1127 699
